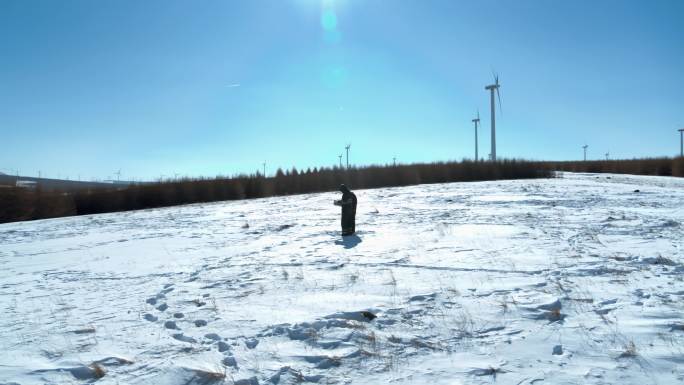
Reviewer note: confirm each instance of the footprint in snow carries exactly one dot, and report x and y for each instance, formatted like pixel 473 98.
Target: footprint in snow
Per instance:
pixel 230 361
pixel 184 338
pixel 252 343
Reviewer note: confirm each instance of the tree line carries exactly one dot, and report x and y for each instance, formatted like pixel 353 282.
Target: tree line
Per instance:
pixel 18 204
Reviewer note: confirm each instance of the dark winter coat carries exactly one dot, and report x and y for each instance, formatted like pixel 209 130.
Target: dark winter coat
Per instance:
pixel 348 203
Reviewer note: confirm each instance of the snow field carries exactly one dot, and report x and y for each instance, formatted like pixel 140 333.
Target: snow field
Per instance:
pixel 571 280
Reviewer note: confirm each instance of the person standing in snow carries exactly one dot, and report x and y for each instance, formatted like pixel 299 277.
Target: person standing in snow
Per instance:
pixel 348 204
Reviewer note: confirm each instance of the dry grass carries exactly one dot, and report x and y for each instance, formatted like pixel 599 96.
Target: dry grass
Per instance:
pixel 630 350
pixel 98 370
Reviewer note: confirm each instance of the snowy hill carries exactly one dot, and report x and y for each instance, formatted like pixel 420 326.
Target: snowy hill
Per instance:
pixel 569 280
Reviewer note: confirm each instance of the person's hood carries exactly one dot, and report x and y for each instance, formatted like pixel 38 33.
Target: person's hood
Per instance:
pixel 344 188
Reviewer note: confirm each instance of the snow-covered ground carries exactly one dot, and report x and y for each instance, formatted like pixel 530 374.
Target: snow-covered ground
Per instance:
pixel 572 280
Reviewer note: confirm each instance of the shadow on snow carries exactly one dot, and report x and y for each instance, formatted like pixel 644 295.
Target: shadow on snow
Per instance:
pixel 349 241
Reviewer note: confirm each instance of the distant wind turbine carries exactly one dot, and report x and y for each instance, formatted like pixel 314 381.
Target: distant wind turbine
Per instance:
pixel 340 156
pixel 347 147
pixel 681 142
pixel 118 175
pixel 492 88
pixel 476 121
pixel 264 164
pixel 607 155
pixel 585 152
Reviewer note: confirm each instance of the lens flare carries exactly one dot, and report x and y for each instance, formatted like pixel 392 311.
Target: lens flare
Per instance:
pixel 329 20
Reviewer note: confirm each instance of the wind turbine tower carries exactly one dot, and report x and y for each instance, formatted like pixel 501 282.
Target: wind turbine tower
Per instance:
pixel 681 142
pixel 118 175
pixel 494 88
pixel 264 164
pixel 340 156
pixel 476 121
pixel 585 152
pixel 607 155
pixel 347 147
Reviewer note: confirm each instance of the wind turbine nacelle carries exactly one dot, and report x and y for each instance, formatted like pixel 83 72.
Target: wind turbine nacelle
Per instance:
pixel 492 87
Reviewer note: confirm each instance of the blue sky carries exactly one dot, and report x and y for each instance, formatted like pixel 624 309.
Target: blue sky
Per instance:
pixel 218 87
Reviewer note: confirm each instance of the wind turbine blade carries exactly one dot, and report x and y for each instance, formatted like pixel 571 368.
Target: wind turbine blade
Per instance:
pixel 498 95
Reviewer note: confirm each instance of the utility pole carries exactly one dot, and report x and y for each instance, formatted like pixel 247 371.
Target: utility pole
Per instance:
pixel 585 152
pixel 347 147
pixel 681 142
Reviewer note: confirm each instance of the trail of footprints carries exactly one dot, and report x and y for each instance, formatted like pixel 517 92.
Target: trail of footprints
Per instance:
pixel 328 342
pixel 173 320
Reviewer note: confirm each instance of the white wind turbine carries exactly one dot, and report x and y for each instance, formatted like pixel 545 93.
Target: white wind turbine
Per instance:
pixel 492 88
pixel 476 121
